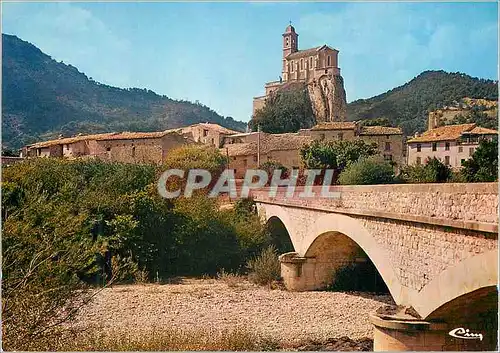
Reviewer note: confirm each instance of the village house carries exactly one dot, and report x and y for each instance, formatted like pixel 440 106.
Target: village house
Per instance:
pixel 389 140
pixel 127 147
pixel 208 133
pixel 452 144
pixel 249 150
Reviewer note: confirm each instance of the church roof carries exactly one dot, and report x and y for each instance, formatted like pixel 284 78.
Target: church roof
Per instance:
pixel 290 29
pixel 308 52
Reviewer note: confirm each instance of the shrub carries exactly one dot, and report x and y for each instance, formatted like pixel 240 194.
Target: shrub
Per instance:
pixel 271 166
pixel 367 171
pixel 483 166
pixel 265 268
pixel 434 171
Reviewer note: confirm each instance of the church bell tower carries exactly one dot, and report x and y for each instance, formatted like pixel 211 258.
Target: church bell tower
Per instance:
pixel 290 45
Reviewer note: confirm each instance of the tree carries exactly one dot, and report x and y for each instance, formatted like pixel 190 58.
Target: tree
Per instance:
pixel 434 171
pixel 368 171
pixel 483 166
pixel 285 111
pixel 271 166
pixel 376 122
pixel 336 155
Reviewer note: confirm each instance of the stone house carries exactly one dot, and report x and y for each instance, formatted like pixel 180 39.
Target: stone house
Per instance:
pixel 208 133
pixel 452 144
pixel 247 151
pixel 389 140
pixel 127 147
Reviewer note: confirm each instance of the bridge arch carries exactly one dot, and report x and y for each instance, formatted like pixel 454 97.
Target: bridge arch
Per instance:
pixel 476 274
pixel 305 237
pixel 340 227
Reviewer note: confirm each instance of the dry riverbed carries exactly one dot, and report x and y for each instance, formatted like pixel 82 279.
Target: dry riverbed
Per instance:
pixel 289 317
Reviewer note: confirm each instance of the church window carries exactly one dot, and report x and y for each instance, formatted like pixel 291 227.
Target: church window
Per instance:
pixel 287 42
pixel 328 59
pixel 291 65
pixel 302 64
pixel 311 62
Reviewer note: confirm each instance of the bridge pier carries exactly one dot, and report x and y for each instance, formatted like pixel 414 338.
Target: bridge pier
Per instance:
pixel 400 334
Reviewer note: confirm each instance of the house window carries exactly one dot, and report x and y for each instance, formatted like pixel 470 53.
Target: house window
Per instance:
pixel 255 158
pixel 419 147
pixel 462 161
pixel 447 160
pixel 387 146
pixel 310 62
pixel 245 162
pixel 447 146
pixel 434 146
pixel 328 60
pixel 321 136
pixel 291 65
pixel 108 149
pixel 471 151
pixel 460 149
pixel 419 161
pixel 66 147
pixel 388 157
pixel 205 133
pixel 302 64
pixel 133 151
pixel 341 136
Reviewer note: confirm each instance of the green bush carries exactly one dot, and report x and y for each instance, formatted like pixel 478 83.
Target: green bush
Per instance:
pixel 434 171
pixel 483 166
pixel 368 171
pixel 265 268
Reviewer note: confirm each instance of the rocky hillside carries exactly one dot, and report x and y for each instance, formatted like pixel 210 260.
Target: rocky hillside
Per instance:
pixel 408 105
pixel 43 98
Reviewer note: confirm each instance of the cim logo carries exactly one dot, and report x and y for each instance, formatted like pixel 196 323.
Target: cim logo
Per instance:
pixel 460 332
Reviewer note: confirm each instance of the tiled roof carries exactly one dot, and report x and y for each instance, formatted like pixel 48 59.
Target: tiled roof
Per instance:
pixel 268 143
pixel 335 125
pixel 482 131
pixel 217 127
pixel 105 136
pixel 307 52
pixel 302 53
pixel 380 130
pixel 443 133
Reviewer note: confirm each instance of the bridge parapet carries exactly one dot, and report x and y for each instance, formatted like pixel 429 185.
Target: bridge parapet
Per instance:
pixel 469 206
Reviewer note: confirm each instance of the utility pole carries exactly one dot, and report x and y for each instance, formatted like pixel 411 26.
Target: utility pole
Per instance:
pixel 258 145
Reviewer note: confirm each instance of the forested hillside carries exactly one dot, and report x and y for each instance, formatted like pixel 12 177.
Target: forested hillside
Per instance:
pixel 408 105
pixel 43 98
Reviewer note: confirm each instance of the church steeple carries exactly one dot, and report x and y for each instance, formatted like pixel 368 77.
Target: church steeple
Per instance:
pixel 290 40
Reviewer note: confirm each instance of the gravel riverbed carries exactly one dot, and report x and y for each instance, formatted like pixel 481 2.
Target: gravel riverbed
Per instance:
pixel 290 317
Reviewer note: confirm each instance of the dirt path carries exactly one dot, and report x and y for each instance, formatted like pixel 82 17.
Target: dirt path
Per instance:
pixel 197 304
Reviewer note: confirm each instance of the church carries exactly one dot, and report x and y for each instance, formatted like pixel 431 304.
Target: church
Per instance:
pixel 316 68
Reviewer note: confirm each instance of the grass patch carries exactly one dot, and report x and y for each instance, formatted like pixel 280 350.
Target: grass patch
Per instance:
pixel 97 339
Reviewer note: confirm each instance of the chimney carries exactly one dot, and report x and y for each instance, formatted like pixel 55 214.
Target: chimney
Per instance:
pixel 433 121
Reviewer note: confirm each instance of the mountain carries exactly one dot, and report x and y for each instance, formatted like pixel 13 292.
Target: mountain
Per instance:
pixel 408 105
pixel 43 98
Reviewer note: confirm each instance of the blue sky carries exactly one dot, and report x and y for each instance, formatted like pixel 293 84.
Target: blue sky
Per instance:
pixel 221 54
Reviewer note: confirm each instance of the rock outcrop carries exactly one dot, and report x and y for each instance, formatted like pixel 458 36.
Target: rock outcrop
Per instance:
pixel 328 98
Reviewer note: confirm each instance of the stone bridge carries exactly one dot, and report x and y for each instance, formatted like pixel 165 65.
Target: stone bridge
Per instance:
pixel 434 245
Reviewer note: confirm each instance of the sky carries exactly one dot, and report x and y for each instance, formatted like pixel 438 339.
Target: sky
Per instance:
pixel 221 54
